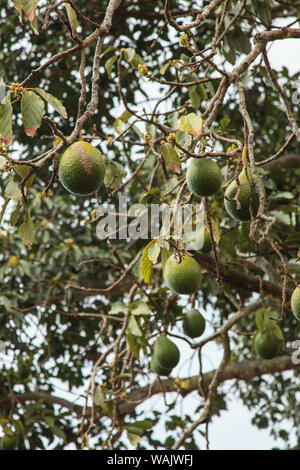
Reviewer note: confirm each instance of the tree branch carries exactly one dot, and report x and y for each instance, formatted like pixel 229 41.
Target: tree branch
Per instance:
pixel 287 160
pixel 244 370
pixel 239 279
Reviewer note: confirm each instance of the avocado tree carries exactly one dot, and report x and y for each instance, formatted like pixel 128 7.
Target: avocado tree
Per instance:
pixel 96 355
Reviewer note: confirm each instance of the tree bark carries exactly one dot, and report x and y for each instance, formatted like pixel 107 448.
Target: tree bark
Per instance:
pixel 245 370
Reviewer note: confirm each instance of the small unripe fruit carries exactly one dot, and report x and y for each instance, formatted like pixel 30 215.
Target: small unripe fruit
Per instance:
pixel 242 214
pixel 182 276
pixel 267 344
pixel 81 169
pixel 166 353
pixel 193 323
pixel 158 369
pixel 203 177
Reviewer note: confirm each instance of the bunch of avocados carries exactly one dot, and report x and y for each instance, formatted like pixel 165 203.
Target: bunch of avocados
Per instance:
pixel 82 170
pixel 182 274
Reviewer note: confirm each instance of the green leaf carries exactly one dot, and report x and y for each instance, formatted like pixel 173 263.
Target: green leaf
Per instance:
pixel 118 125
pixel 282 195
pixel 164 244
pixel 117 307
pixel 22 171
pixel 34 25
pixel 210 87
pixel 26 230
pixel 171 158
pixel 281 217
pixel 133 328
pixel 132 428
pixel 144 424
pixel 129 54
pixel 190 123
pixel 2 161
pixel 7 304
pixel 126 115
pixel 270 319
pixel 245 78
pixel 215 231
pixel 18 7
pixel 172 119
pixel 50 421
pixel 194 97
pixel 253 341
pixel 225 122
pixel 136 61
pixel 151 130
pixel 141 308
pixel 134 345
pixel 242 41
pixel 108 49
pixel 12 190
pixel 165 67
pixel 32 109
pixel 263 11
pixel 183 138
pixel 99 400
pixel 98 396
pixel 278 332
pixel 228 50
pixel 114 174
pixel 197 93
pixel 15 216
pixel 138 132
pixel 165 254
pixel 53 101
pixel 72 17
pixel 283 434
pixel 134 439
pixel 3 209
pixel 59 433
pixel 153 252
pixel 19 426
pixel 109 65
pixel 202 92
pixel 6 122
pixel 267 320
pixel 260 320
pixel 29 8
pixel 146 265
